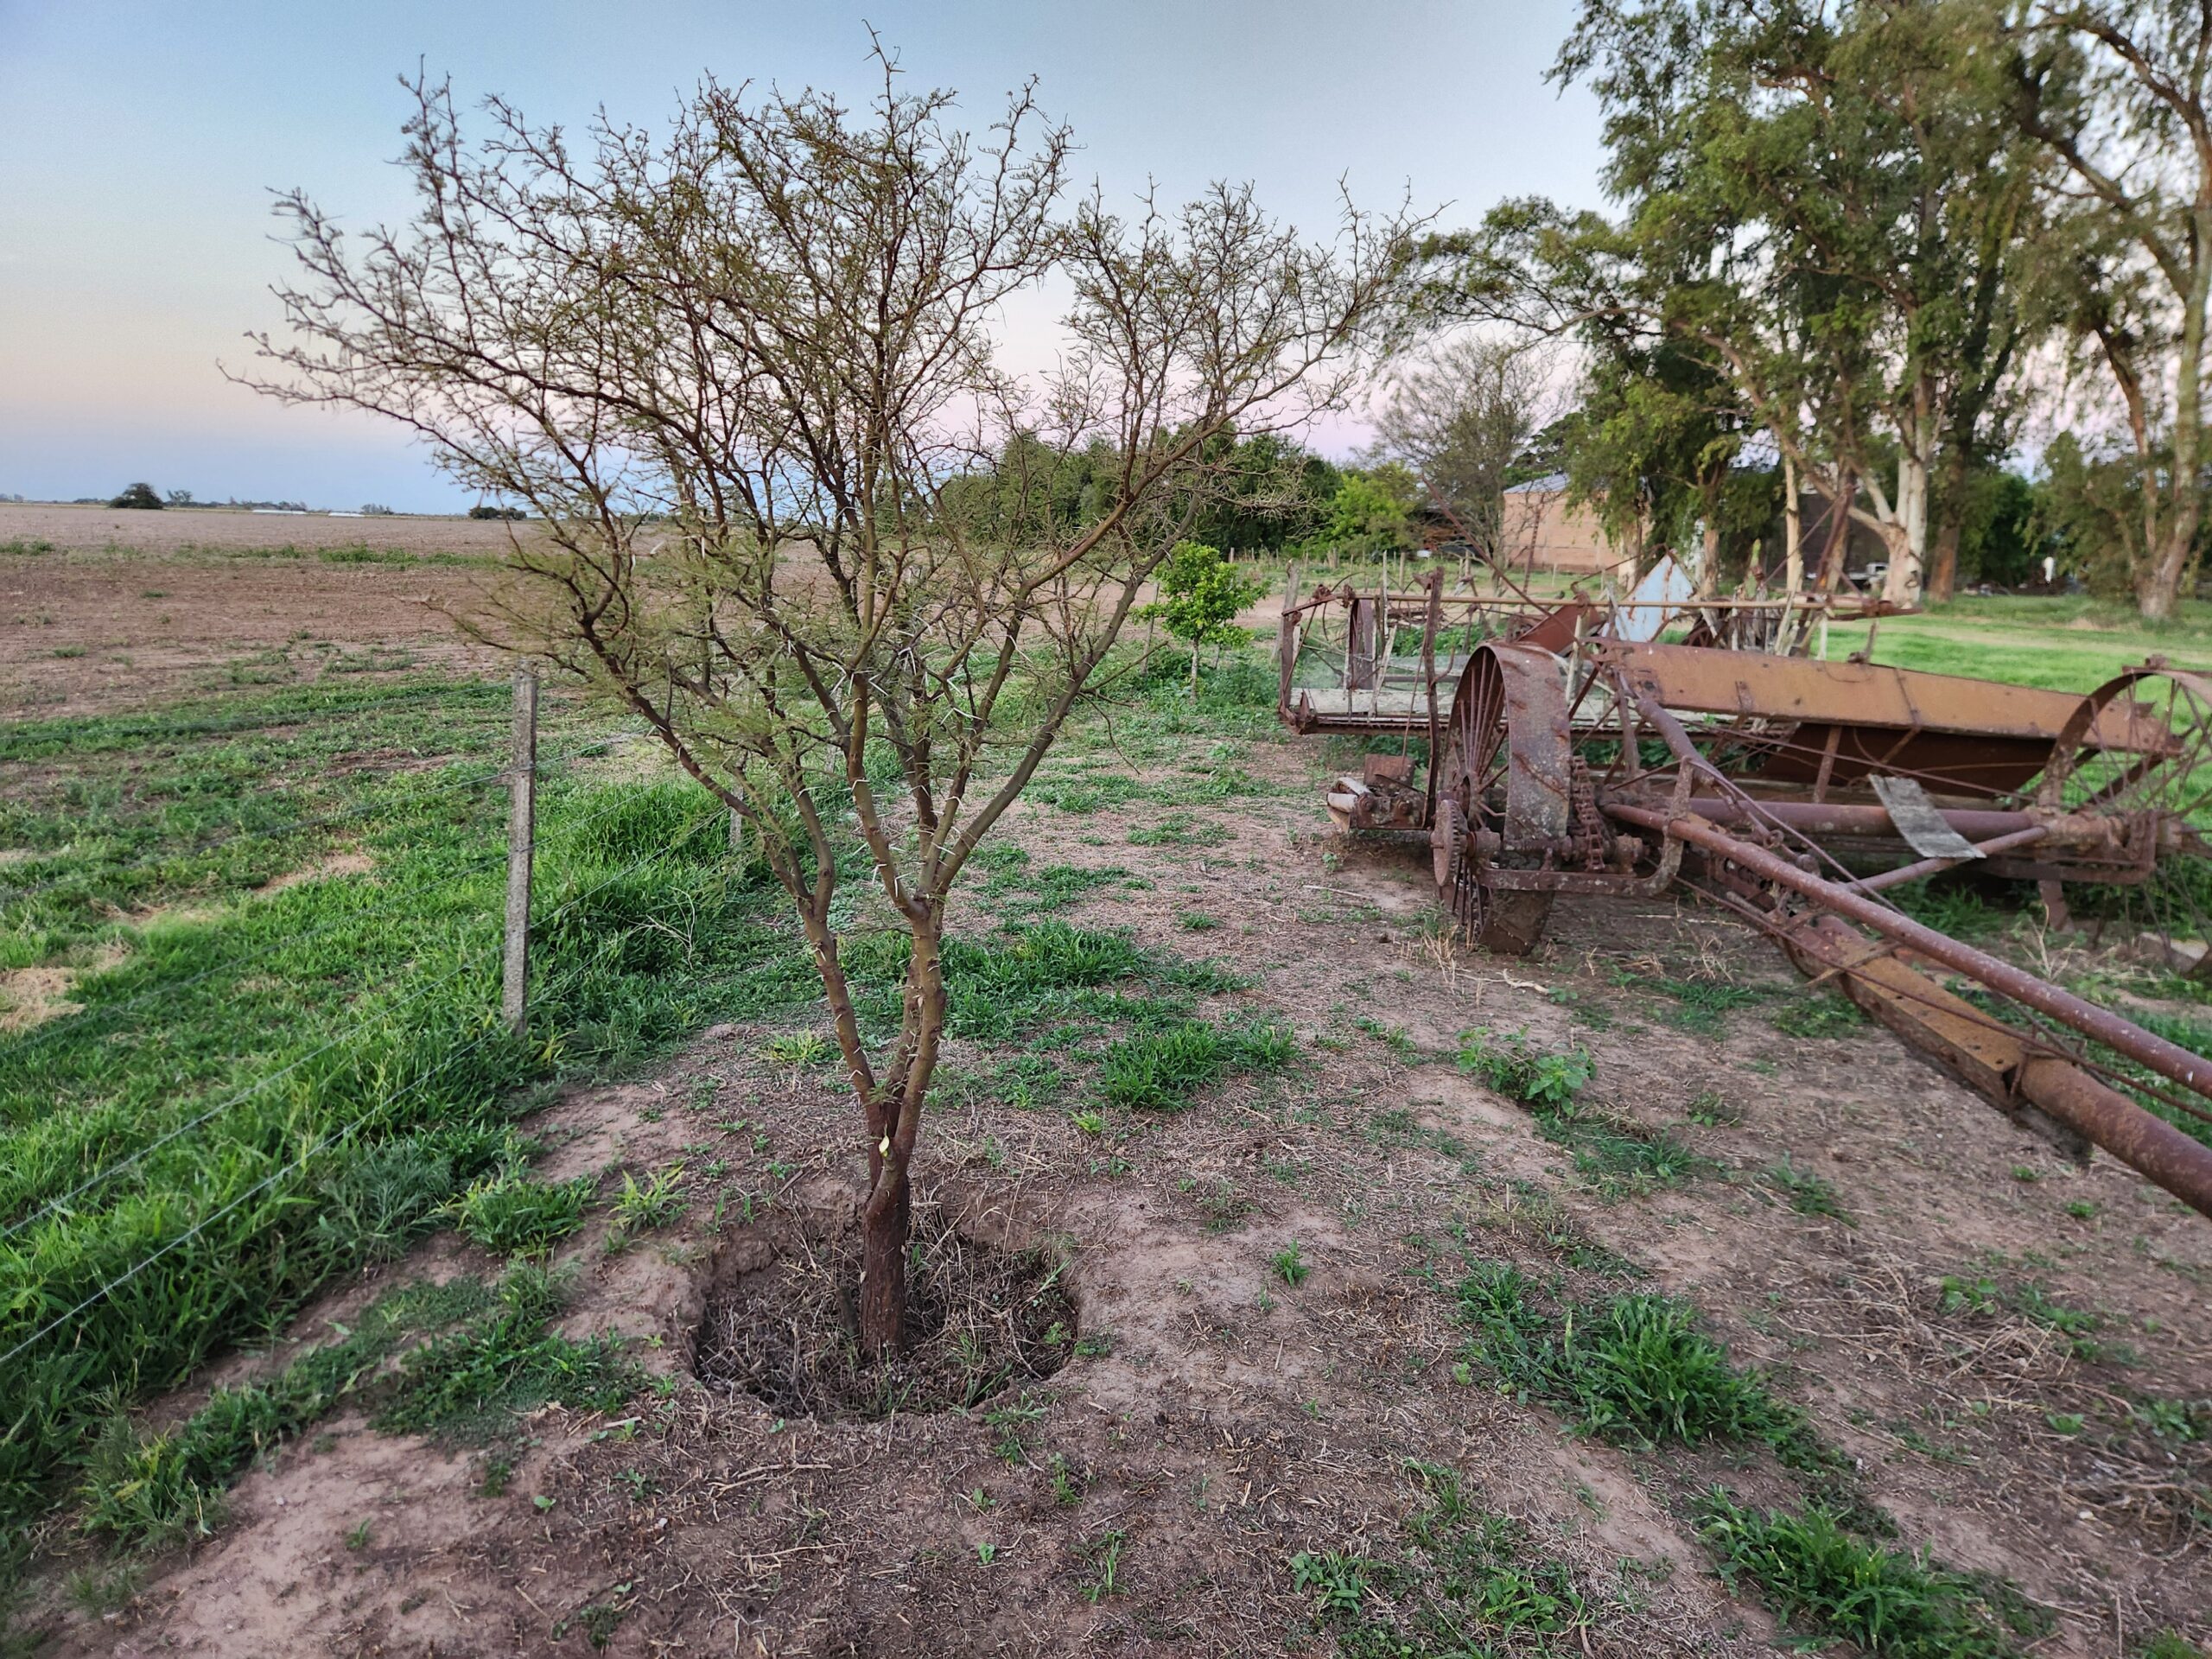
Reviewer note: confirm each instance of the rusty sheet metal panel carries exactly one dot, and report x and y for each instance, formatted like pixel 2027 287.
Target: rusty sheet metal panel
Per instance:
pixel 1539 746
pixel 1689 679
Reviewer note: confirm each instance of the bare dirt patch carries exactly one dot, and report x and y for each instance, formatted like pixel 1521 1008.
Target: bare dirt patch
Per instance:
pixel 88 631
pixel 31 996
pixel 983 1317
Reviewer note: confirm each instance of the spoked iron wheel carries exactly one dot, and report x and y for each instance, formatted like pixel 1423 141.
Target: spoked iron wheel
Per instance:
pixel 2139 752
pixel 1469 820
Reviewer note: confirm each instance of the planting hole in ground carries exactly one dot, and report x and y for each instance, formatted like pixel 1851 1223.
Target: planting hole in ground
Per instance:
pixel 981 1318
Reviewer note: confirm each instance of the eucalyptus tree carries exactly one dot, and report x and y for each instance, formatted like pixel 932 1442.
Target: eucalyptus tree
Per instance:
pixel 2116 91
pixel 1819 208
pixel 736 371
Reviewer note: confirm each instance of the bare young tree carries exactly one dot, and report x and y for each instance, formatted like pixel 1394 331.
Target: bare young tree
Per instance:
pixel 744 374
pixel 1459 415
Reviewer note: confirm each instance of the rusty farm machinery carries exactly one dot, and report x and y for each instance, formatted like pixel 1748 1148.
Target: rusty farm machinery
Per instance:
pixel 1574 750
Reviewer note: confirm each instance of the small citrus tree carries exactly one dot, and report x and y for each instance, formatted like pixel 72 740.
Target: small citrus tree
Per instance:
pixel 1200 593
pixel 743 379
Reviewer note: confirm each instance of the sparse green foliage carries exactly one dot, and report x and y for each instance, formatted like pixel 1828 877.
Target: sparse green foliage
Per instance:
pixel 1290 1265
pixel 1814 1573
pixel 1820 1013
pixel 1517 1068
pixel 1808 1192
pixel 1464 1581
pixel 656 1203
pixel 517 1215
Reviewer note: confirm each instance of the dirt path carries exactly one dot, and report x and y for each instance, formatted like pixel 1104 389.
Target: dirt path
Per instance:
pixel 1225 1422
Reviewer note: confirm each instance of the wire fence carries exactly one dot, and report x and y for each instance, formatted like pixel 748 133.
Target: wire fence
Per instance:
pixel 327 1139
pixel 521 773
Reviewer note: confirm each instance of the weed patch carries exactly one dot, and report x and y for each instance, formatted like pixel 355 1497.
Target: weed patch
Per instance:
pixel 1161 1070
pixel 515 1215
pixel 1820 1013
pixel 1814 1572
pixel 1616 1155
pixel 1693 1005
pixel 1807 1193
pixel 1464 1581
pixel 1635 1369
pixel 150 1490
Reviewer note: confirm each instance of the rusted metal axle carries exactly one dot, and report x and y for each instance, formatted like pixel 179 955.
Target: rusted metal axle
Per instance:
pixel 2147 1144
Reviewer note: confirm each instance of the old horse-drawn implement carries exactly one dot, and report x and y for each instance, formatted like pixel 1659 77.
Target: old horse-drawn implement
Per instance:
pixel 1574 755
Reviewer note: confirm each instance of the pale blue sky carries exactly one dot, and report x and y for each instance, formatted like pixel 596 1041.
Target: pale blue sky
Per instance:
pixel 138 143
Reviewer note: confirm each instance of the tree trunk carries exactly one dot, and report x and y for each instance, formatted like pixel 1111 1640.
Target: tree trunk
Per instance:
pixel 1950 527
pixel 1908 538
pixel 1837 554
pixel 1793 531
pixel 895 1119
pixel 884 1222
pixel 1709 566
pixel 2159 595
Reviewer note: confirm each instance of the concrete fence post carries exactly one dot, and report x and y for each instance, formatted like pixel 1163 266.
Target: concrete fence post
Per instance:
pixel 522 836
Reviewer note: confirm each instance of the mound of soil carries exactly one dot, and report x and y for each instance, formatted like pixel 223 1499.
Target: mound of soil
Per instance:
pixel 980 1318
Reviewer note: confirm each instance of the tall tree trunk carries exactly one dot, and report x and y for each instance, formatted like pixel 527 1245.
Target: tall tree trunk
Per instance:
pixel 1793 530
pixel 2159 594
pixel 1950 525
pixel 1908 539
pixel 1837 553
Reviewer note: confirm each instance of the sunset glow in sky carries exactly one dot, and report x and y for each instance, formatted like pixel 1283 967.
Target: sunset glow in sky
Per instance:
pixel 139 143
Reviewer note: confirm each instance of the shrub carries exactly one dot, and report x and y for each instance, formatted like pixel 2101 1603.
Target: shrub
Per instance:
pixel 141 496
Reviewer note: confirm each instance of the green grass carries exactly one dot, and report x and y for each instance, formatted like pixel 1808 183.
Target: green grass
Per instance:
pixel 1691 1005
pixel 1463 1581
pixel 1811 1569
pixel 1819 1013
pixel 249 1077
pixel 1616 1155
pixel 153 1488
pixel 2063 644
pixel 1634 1368
pixel 514 1215
pixel 1163 1070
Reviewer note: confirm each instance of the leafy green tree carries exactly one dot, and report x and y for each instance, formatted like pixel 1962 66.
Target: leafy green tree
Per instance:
pixel 1371 512
pixel 2002 538
pixel 1200 593
pixel 1821 209
pixel 143 496
pixel 2119 94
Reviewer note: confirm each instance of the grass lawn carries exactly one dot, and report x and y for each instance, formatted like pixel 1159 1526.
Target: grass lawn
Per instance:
pixel 251 1040
pixel 2065 643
